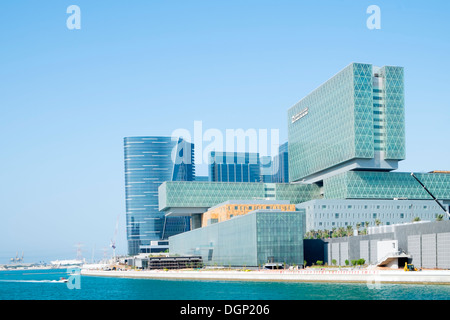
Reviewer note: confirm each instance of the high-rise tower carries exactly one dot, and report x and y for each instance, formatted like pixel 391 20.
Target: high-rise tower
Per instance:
pixel 150 161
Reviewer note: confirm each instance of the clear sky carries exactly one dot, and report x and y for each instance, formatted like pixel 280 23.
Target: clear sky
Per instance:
pixel 147 67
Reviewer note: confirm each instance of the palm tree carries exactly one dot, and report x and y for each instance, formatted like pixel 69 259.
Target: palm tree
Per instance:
pixel 439 217
pixel 416 219
pixel 377 222
pixel 349 230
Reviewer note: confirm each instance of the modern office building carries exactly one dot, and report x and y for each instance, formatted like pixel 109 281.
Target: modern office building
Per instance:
pixel 280 168
pixel 150 161
pixel 346 213
pixel 234 167
pixel 250 240
pixel 354 121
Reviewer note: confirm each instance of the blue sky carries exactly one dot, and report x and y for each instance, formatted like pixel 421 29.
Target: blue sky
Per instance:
pixel 68 97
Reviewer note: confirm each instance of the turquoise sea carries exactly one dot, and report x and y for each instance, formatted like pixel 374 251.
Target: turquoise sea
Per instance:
pixel 44 285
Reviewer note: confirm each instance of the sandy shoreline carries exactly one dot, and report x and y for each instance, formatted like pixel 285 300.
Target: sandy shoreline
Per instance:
pixel 373 276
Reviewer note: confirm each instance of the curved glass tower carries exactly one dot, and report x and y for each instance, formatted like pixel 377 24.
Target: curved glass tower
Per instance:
pixel 150 161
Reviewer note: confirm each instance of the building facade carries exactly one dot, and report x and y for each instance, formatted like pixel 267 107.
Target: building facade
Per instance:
pixel 354 121
pixel 186 198
pixel 233 208
pixel 150 161
pixel 358 214
pixel 234 167
pixel 248 240
pixel 427 245
pixel 280 168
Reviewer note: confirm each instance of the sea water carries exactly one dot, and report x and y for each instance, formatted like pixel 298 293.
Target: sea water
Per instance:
pixel 45 285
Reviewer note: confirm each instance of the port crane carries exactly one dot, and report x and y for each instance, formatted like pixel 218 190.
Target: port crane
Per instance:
pixel 434 198
pixel 17 259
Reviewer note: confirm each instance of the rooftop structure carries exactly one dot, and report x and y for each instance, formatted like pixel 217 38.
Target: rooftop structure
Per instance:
pixel 233 208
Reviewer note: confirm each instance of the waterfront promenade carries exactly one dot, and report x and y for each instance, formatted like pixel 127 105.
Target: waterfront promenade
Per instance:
pixel 305 275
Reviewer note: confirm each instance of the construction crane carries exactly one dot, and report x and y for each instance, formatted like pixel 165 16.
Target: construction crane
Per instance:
pixel 113 240
pixel 434 198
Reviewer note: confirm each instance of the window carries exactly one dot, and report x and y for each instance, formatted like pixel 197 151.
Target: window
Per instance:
pixel 374 216
pixel 336 215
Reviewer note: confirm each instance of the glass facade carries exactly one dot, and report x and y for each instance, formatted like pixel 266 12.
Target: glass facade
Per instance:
pixel 150 161
pixel 234 167
pixel 386 185
pixel 356 115
pixel 266 175
pixel 208 194
pixel 281 165
pixel 231 209
pixel 394 112
pixel 248 240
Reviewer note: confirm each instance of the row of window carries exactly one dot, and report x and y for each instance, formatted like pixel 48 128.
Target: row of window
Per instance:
pixel 337 206
pixel 368 215
pixel 346 223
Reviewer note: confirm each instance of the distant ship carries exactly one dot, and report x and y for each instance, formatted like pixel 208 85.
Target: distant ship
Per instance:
pixel 65 263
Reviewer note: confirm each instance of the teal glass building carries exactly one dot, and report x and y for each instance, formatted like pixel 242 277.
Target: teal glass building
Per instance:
pixel 150 161
pixel 252 240
pixel 354 121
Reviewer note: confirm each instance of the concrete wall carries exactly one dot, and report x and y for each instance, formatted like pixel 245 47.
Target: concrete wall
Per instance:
pixel 427 243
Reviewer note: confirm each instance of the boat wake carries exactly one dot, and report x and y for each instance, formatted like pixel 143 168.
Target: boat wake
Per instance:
pixel 36 281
